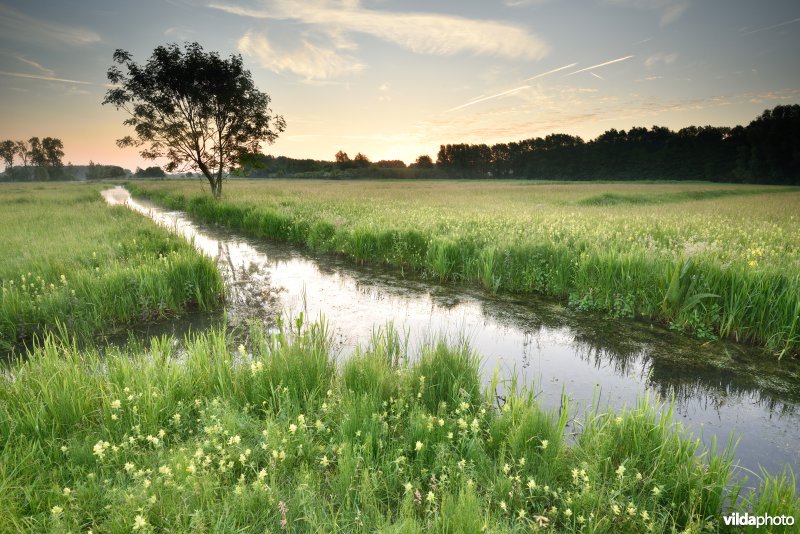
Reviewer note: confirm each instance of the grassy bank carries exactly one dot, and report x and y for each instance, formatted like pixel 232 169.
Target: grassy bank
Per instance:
pixel 713 260
pixel 273 436
pixel 70 258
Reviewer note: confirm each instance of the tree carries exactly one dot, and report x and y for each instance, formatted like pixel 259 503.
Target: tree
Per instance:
pixel 424 162
pixel 22 152
pixel 8 149
pixel 53 150
pixel 343 160
pixel 36 153
pixel 194 108
pixel 360 161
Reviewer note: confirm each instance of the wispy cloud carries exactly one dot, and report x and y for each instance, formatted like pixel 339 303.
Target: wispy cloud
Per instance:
pixel 179 32
pixel 785 23
pixel 35 65
pixel 655 59
pixel 596 75
pixel 669 10
pixel 309 60
pixel 42 77
pixel 21 27
pixel 599 65
pixel 490 97
pixel 422 33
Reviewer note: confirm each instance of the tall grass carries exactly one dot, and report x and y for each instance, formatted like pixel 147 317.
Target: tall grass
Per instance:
pixel 715 261
pixel 274 436
pixel 82 266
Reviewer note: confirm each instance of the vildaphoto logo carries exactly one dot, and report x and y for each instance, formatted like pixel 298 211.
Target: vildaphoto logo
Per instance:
pixel 747 520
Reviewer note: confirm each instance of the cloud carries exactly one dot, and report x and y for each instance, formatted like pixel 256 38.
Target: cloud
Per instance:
pixel 309 60
pixel 20 27
pixel 599 65
pixel 655 59
pixel 422 33
pixel 179 32
pixel 41 77
pixel 670 10
pixel 35 65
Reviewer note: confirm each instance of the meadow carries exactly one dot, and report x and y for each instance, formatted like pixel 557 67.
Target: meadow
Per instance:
pixel 712 260
pixel 72 263
pixel 276 436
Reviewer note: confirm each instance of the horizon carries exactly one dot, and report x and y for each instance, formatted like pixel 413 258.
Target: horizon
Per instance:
pixel 397 80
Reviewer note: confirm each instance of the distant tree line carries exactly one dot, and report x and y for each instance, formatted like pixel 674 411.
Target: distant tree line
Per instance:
pixel 765 151
pixel 39 159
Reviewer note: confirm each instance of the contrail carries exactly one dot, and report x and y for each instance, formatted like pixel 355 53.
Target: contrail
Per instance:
pixel 596 75
pixel 37 77
pixel 484 99
pixel 599 65
pixel 549 72
pixel 773 26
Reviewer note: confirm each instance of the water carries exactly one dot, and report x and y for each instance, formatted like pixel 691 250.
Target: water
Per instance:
pixel 719 388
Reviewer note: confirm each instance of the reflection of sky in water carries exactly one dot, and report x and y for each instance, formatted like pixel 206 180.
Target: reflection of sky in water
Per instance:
pixel 555 349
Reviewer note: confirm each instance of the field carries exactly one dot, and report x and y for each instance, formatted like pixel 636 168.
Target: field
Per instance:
pixel 71 262
pixel 715 261
pixel 274 436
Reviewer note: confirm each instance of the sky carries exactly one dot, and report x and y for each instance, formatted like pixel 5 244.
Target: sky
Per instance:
pixel 395 79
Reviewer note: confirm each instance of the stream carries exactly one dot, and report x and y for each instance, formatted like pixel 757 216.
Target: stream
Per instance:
pixel 719 389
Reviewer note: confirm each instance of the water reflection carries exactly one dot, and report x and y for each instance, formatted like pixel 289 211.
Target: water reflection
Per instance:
pixel 718 388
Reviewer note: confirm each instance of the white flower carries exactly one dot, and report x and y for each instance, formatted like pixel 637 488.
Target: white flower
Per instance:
pixel 139 522
pixel 115 404
pixel 419 446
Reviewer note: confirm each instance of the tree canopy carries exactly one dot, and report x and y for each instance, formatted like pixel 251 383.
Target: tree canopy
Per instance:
pixel 194 108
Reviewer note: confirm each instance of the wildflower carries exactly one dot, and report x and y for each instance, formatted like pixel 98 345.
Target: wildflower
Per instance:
pixel 503 505
pixel 567 512
pixel 644 515
pixel 301 419
pixel 241 350
pixel 638 475
pixel 64 448
pixel 292 428
pixel 506 468
pixel 522 461
pixel 464 405
pixel 139 522
pixel 474 425
pixel 56 510
pixel 165 470
pixel 129 467
pixel 462 463
pixel 408 487
pixel 618 420
pixel 67 492
pixel 114 417
pixel 656 491
pixel 430 496
pixel 176 418
pixel 99 448
pixel 615 509
pixel 620 471
pixel 234 440
pixel 545 443
pixel 462 424
pixel 324 462
pixel 449 435
pixel 418 446
pixel 521 513
pixel 115 404
pixel 531 484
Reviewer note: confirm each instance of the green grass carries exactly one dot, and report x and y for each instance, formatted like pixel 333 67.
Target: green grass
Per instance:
pixel 273 436
pixel 713 260
pixel 80 265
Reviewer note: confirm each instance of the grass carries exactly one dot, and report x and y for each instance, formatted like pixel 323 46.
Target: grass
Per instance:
pixel 274 436
pixel 80 265
pixel 716 261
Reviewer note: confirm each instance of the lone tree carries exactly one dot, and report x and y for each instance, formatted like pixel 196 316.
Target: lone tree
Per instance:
pixel 194 108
